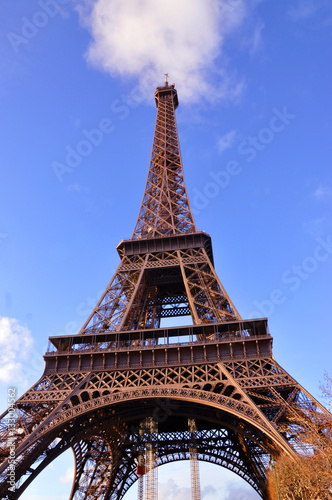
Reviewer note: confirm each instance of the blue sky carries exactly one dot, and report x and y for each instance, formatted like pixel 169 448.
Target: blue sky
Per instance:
pixel 76 127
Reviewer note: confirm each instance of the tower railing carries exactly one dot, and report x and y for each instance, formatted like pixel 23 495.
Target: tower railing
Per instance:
pixel 161 337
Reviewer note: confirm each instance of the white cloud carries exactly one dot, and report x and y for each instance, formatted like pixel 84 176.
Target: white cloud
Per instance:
pixel 226 141
pixel 241 493
pixel 208 490
pixel 172 491
pixel 77 188
pixel 222 484
pixel 145 39
pixel 68 477
pixel 255 42
pixel 15 346
pixel 323 193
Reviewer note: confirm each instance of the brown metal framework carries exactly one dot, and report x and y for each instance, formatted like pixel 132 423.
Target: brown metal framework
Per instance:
pixel 165 208
pixel 123 368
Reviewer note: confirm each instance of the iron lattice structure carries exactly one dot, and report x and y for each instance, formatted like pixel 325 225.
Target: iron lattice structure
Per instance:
pixel 124 367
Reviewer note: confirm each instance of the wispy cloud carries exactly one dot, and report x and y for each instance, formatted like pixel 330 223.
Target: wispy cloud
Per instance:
pixel 303 10
pixel 77 188
pixel 323 193
pixel 15 346
pixel 241 493
pixel 208 490
pixel 255 42
pixel 143 37
pixel 226 141
pixel 172 491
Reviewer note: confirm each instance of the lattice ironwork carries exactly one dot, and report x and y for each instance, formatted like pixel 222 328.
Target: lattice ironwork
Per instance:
pixel 139 294
pixel 165 208
pixel 123 368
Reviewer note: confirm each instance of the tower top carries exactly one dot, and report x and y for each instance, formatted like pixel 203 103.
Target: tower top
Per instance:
pixel 166 92
pixel 165 208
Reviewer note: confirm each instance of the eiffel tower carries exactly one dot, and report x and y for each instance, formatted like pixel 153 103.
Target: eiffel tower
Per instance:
pixel 124 367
